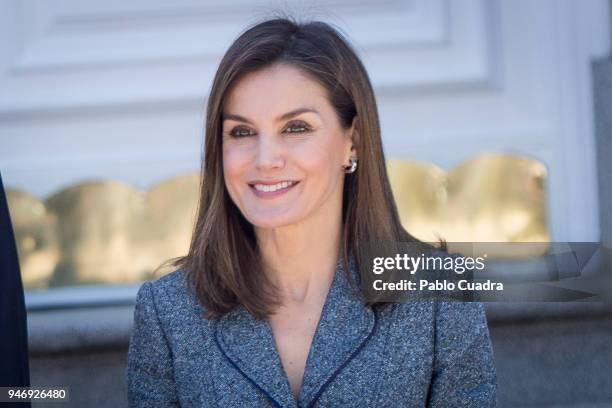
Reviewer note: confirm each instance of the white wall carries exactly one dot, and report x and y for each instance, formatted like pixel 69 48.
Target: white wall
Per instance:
pixel 115 89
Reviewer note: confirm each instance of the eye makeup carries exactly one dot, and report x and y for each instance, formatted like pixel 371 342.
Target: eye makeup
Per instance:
pixel 296 126
pixel 241 131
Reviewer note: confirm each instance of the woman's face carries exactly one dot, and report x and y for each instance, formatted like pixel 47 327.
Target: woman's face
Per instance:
pixel 283 148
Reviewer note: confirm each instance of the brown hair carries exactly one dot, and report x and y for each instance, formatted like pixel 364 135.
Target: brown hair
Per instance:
pixel 223 265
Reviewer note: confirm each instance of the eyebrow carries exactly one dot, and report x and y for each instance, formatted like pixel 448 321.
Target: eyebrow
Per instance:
pixel 284 116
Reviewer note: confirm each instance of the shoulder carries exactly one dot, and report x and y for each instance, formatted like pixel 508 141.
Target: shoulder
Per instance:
pixel 451 316
pixel 162 291
pixel 460 318
pixel 168 287
pixel 170 299
pixel 455 327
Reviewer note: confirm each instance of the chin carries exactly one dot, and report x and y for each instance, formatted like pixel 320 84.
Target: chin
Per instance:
pixel 271 221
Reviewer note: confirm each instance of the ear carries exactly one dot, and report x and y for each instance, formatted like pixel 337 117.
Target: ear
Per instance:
pixel 353 134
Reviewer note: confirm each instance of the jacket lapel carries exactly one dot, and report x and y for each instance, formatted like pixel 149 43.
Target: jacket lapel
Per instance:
pixel 344 326
pixel 249 345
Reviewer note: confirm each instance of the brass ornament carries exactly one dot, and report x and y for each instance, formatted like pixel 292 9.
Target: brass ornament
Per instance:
pixel 489 198
pixel 102 231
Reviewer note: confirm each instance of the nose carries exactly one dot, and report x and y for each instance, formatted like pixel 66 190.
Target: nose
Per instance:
pixel 270 154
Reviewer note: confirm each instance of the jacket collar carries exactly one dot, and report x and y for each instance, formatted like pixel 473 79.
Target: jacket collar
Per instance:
pixel 343 328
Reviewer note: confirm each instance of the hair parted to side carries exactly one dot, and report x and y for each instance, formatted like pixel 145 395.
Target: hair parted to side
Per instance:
pixel 223 265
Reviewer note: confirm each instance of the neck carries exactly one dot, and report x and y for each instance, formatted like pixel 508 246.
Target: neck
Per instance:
pixel 300 259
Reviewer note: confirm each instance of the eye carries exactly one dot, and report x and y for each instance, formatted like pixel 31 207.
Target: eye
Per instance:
pixel 297 127
pixel 241 131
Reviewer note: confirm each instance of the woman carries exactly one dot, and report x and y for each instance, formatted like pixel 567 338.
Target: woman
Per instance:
pixel 265 308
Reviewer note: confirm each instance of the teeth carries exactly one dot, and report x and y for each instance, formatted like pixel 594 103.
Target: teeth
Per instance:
pixel 270 188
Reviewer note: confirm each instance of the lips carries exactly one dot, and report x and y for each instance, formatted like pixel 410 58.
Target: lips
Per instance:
pixel 272 189
pixel 266 187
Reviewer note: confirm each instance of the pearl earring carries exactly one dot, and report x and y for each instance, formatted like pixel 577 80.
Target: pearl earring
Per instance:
pixel 352 166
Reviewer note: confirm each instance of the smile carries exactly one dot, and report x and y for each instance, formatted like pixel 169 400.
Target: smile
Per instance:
pixel 272 190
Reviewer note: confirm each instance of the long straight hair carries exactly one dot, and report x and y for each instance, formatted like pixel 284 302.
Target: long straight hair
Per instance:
pixel 223 265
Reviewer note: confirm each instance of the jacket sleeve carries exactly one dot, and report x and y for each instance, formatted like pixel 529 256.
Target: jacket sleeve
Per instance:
pixel 150 376
pixel 464 372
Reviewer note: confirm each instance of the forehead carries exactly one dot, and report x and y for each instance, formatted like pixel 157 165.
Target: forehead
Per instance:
pixel 275 90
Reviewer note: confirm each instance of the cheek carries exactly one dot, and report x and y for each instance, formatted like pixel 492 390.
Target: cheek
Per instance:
pixel 322 158
pixel 235 161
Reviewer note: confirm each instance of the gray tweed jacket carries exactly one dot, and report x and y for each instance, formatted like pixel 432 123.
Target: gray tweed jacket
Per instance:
pixel 415 354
